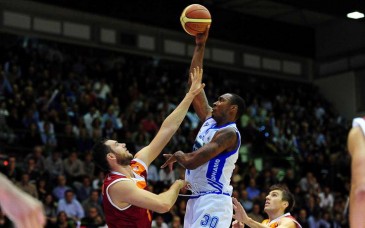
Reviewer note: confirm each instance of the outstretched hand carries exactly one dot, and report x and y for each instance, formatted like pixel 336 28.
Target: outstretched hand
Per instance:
pixel 196 81
pixel 169 162
pixel 239 212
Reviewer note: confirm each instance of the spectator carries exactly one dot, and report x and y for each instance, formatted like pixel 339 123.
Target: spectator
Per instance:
pixel 63 221
pixel 50 210
pixel 73 167
pixel 83 189
pixel 38 157
pixel 43 188
pixel 93 219
pixel 88 165
pixel 54 165
pixel 245 201
pixel 158 222
pixel 252 190
pixel 28 187
pixel 326 199
pixel 59 191
pixel 71 206
pixel 93 200
pixel 256 213
pixel 12 171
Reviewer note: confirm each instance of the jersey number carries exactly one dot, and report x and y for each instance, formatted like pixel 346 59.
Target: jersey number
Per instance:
pixel 209 221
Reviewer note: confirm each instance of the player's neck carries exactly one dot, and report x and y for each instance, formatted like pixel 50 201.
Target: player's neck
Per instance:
pixel 125 170
pixel 275 214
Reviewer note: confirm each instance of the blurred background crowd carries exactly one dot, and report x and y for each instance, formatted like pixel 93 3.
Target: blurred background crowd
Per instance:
pixel 57 99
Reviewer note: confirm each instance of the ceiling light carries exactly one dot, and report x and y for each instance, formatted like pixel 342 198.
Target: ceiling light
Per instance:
pixel 355 15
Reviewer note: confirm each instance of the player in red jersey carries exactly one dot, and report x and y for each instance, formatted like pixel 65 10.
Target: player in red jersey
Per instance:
pixel 126 201
pixel 277 206
pixel 356 148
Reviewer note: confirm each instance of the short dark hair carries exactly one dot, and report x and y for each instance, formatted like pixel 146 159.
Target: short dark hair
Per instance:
pixel 286 195
pixel 100 150
pixel 240 102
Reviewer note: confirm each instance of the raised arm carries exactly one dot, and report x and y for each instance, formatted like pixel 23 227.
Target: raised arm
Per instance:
pixel 20 207
pixel 223 140
pixel 356 147
pixel 173 121
pixel 200 103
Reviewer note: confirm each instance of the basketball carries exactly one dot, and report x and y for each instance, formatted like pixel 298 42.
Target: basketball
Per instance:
pixel 195 18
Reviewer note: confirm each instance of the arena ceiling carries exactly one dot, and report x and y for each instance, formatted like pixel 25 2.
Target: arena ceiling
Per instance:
pixel 282 25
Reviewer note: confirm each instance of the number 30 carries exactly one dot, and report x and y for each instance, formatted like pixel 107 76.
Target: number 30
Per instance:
pixel 209 221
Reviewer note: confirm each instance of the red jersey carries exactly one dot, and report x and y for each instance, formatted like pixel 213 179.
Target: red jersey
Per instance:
pixel 130 216
pixel 276 222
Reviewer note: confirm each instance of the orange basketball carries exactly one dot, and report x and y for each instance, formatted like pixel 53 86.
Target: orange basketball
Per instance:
pixel 195 18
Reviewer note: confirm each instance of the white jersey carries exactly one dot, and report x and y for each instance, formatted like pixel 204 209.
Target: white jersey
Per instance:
pixel 359 121
pixel 214 176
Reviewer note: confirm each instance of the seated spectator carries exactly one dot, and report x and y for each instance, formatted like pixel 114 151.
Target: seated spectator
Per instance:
pixel 73 167
pixel 25 185
pixel 176 222
pixel 167 176
pixel 32 170
pixel 12 171
pixel 50 210
pixel 71 206
pixel 158 222
pixel 98 182
pixel 153 176
pixel 47 135
pixel 326 199
pixel 54 165
pixel 32 136
pixel 63 221
pixel 93 219
pixel 83 189
pixel 61 187
pixel 43 188
pixel 245 201
pixel 88 165
pixel 66 139
pixel 252 190
pixel 93 200
pixel 255 214
pixel 38 157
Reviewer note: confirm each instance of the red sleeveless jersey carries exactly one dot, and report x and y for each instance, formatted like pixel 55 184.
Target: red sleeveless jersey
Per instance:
pixel 130 216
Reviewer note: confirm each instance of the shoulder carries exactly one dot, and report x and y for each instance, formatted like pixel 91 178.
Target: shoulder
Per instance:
pixel 289 221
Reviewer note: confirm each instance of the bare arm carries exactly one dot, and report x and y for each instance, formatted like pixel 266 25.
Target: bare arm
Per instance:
pixel 172 122
pixel 223 140
pixel 21 208
pixel 124 193
pixel 240 215
pixel 356 147
pixel 200 103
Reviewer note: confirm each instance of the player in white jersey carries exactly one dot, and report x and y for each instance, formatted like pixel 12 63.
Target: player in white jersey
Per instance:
pixel 215 151
pixel 356 147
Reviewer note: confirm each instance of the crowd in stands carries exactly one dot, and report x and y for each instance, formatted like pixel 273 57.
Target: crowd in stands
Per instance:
pixel 57 99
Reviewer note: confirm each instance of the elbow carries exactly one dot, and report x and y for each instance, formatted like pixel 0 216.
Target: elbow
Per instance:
pixel 163 208
pixel 359 192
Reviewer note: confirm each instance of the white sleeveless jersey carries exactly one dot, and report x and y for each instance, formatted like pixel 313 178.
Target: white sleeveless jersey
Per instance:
pixel 359 121
pixel 214 176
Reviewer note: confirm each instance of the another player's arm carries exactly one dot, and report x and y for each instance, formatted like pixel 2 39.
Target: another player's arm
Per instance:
pixel 200 103
pixel 127 192
pixel 223 140
pixel 356 148
pixel 172 122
